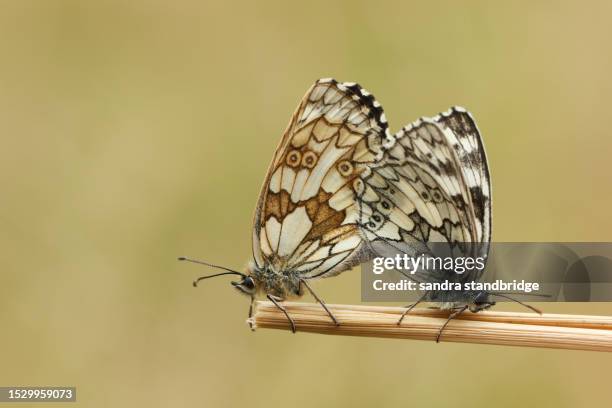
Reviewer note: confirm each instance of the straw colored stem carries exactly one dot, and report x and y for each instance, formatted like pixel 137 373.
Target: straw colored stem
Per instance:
pixel 487 327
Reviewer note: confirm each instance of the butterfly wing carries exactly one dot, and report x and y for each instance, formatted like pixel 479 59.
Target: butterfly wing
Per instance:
pixel 307 216
pixel 432 185
pixel 462 133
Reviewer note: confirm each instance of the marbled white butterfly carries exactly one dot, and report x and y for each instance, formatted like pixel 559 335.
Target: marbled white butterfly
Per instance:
pixel 342 189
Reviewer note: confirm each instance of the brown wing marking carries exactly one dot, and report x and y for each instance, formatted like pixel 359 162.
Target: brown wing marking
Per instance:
pixel 331 139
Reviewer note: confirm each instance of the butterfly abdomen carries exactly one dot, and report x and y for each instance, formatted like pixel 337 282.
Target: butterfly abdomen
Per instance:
pixel 452 299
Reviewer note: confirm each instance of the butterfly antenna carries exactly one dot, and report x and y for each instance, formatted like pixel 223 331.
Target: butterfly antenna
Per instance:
pixel 229 271
pixel 545 295
pixel 538 311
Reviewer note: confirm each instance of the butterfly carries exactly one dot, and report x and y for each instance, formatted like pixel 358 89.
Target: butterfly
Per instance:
pixel 341 189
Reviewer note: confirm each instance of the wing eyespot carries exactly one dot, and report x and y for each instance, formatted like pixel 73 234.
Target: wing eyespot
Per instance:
pixel 437 197
pixel 345 168
pixel 384 207
pixel 293 158
pixel 309 160
pixel 376 221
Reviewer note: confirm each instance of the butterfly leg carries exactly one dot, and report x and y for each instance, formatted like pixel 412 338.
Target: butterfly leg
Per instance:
pixel 331 315
pixel 410 307
pixel 450 317
pixel 251 313
pixel 282 308
pixel 535 309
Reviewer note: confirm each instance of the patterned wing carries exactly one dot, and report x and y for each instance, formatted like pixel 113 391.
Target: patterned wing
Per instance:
pixel 463 135
pixel 307 217
pixel 432 185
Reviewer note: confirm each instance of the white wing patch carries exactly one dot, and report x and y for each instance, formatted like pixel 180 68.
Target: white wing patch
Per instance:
pixel 273 229
pixel 295 227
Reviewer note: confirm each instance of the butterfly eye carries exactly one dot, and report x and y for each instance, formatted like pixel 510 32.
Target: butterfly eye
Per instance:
pixel 249 283
pixel 246 285
pixel 293 158
pixel 309 160
pixel 345 168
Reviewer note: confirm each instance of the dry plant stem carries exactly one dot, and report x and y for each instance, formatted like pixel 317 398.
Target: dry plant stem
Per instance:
pixel 487 327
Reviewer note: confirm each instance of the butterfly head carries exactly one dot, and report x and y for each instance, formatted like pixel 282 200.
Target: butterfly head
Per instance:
pixel 246 285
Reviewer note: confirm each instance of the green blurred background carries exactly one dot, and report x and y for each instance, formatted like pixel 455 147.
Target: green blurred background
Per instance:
pixel 137 131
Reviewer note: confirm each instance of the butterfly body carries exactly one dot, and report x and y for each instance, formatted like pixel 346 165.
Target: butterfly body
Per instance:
pixel 452 300
pixel 281 284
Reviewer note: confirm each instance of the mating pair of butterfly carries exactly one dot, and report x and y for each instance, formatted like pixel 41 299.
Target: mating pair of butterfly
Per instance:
pixel 341 189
